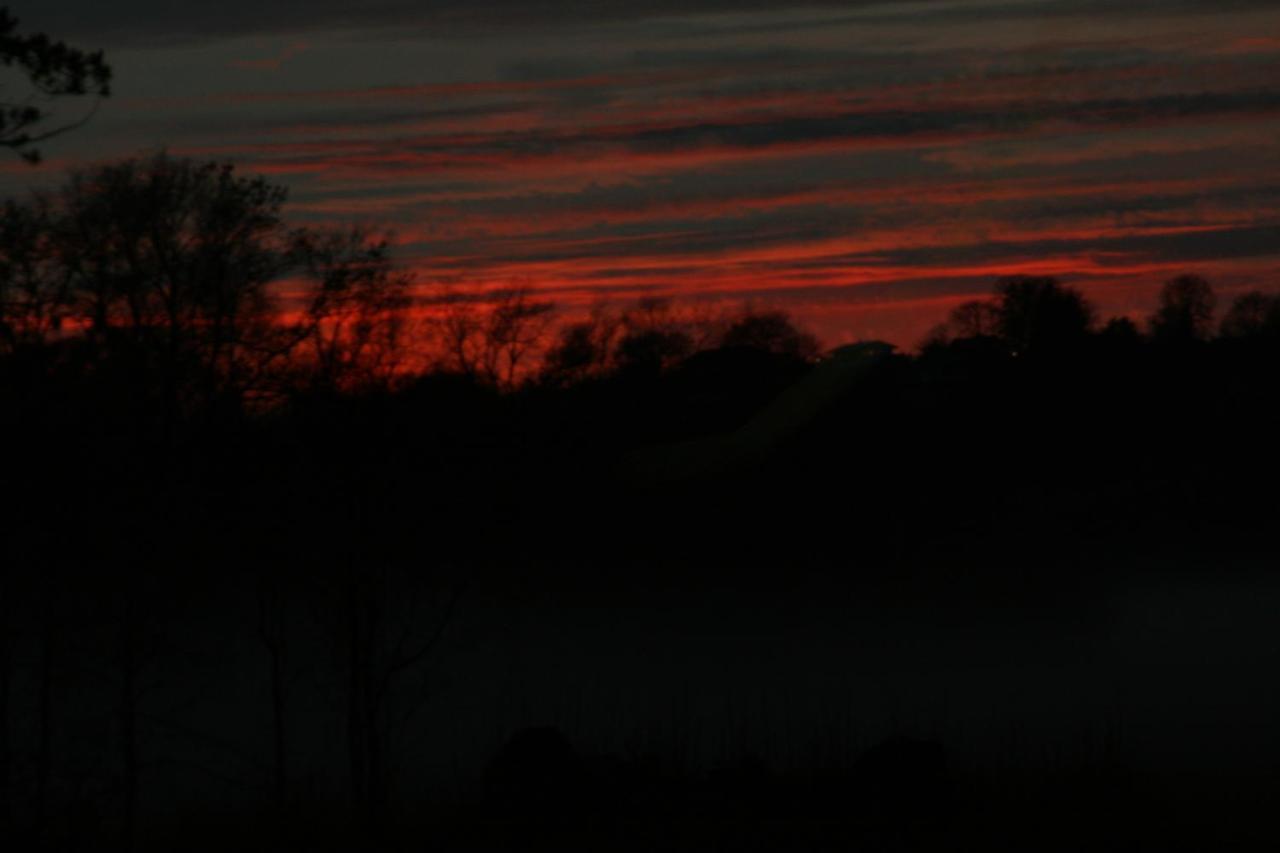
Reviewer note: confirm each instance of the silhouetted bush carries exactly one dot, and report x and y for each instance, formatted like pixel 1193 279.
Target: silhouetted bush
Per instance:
pixel 904 781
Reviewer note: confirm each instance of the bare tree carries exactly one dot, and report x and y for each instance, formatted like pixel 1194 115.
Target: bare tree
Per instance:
pixel 6 690
pixel 976 318
pixel 129 663
pixel 392 620
pixel 517 325
pixel 273 634
pixel 356 308
pixel 53 71
pixel 172 262
pixel 493 337
pixel 174 267
pixel 35 301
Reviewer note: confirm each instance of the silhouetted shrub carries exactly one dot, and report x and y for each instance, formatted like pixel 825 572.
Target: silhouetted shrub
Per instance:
pixel 904 780
pixel 535 775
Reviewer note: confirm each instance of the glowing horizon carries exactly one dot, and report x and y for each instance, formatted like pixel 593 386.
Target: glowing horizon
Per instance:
pixel 863 165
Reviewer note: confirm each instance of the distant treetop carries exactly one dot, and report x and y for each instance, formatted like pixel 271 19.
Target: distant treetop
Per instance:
pixel 1185 312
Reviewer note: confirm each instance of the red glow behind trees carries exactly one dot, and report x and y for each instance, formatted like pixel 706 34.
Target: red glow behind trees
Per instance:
pixel 357 302
pixel 185 276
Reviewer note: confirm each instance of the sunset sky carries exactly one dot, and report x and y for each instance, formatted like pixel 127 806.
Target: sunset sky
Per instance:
pixel 862 164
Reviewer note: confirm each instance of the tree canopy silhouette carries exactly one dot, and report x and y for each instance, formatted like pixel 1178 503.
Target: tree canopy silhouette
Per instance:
pixel 491 342
pixel 1036 314
pixel 773 332
pixel 582 349
pixel 53 70
pixel 169 263
pixel 34 297
pixel 1028 315
pixel 174 270
pixel 1185 311
pixel 356 306
pixel 976 318
pixel 1253 315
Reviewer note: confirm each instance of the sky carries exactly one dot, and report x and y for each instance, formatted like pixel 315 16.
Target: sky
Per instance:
pixel 864 165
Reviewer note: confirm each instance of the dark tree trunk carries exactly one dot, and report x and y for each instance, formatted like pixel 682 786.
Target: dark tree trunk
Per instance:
pixel 271 631
pixel 277 727
pixel 365 736
pixel 377 794
pixel 44 754
pixel 129 729
pixel 6 687
pixel 355 702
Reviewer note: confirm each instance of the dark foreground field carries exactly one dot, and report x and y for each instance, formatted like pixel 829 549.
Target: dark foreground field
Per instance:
pixel 1132 709
pixel 983 597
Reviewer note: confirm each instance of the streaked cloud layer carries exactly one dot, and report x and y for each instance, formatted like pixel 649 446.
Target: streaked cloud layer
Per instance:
pixel 864 164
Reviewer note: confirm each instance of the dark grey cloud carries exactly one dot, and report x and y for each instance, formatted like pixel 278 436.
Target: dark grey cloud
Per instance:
pixel 1172 101
pixel 1262 196
pixel 899 125
pixel 736 229
pixel 138 20
pixel 676 237
pixel 1251 241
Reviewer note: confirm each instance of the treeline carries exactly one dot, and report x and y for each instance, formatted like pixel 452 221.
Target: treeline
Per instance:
pixel 182 280
pixel 1033 315
pixel 223 432
pixel 159 320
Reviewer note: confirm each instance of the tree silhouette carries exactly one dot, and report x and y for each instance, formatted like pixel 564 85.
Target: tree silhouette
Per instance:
pixel 35 298
pixel 582 349
pixel 171 262
pixel 1038 315
pixel 6 691
pixel 772 332
pixel 1185 311
pixel 356 309
pixel 905 781
pixel 391 623
pixel 1121 329
pixel 273 634
pixel 1119 340
pixel 171 270
pixel 652 350
pixel 1252 315
pixel 977 318
pixel 654 337
pixel 53 70
pixel 492 343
